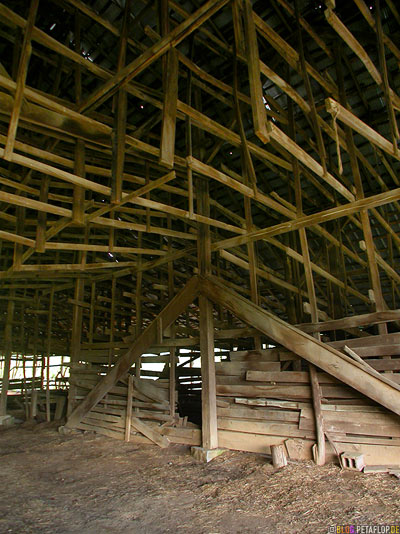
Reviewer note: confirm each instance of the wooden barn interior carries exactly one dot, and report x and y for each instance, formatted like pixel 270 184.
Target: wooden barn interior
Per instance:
pixel 199 223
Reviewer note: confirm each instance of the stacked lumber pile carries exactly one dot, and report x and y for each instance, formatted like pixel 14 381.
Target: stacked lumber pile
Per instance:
pixel 262 401
pixel 83 377
pixel 95 363
pixel 138 410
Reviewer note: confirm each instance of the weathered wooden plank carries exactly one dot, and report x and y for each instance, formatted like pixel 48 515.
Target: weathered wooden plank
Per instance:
pixel 244 412
pixel 297 377
pixel 265 428
pixel 240 368
pixel 150 432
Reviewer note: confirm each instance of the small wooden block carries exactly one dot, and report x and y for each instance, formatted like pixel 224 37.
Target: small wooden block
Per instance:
pixel 352 461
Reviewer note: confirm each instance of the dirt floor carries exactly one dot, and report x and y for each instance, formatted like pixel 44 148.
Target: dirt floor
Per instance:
pixel 88 484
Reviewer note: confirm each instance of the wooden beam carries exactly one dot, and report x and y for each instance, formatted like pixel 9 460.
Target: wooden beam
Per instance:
pixel 307 160
pixel 148 57
pixel 208 391
pixel 207 351
pixel 352 42
pixel 14 238
pixel 253 64
pixel 120 115
pixel 340 112
pixel 167 145
pixel 21 78
pixel 310 220
pixel 351 322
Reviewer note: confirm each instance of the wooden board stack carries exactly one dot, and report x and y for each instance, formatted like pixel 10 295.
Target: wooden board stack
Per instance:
pixel 138 410
pixel 262 402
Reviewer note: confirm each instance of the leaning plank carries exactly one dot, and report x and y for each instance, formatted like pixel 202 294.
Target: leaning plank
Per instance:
pixel 148 388
pixel 330 360
pixel 100 430
pixel 150 432
pixel 149 336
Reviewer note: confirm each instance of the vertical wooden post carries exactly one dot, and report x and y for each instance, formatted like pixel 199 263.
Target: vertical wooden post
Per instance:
pixel 314 115
pixel 319 450
pixel 128 420
pixel 7 353
pixel 366 225
pixel 250 178
pixel 48 348
pixel 33 407
pixel 78 206
pixel 42 216
pixel 138 292
pixel 111 351
pixel 206 323
pixel 18 248
pixel 92 310
pixel 120 103
pixel 208 393
pixel 253 62
pixel 75 337
pixel 172 352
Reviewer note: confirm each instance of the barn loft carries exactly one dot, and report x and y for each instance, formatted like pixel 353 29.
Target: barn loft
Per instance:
pixel 200 222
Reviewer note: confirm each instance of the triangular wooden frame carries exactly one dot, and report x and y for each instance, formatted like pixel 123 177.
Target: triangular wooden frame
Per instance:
pixel 342 367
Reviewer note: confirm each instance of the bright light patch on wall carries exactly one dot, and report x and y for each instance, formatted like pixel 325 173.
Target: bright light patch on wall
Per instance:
pixel 267 106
